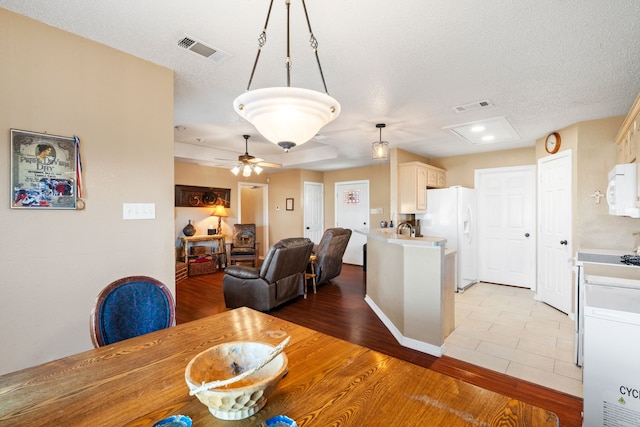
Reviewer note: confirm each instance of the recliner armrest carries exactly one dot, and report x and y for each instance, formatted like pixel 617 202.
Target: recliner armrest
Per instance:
pixel 243 272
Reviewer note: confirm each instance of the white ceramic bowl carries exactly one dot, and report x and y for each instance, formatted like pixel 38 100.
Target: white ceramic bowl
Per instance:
pixel 245 397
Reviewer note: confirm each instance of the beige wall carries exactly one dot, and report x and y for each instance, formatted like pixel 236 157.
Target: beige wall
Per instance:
pixel 379 181
pixel 205 176
pixel 593 226
pixel 55 262
pixel 461 169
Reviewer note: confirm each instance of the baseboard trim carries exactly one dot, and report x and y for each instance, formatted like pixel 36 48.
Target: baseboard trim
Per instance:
pixel 411 343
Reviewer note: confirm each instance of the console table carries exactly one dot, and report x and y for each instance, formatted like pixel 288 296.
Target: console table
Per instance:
pixel 219 250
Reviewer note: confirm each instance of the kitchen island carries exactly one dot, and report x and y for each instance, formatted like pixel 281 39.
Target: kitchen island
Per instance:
pixel 411 287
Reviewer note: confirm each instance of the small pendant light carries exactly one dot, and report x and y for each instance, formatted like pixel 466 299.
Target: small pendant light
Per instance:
pixel 380 149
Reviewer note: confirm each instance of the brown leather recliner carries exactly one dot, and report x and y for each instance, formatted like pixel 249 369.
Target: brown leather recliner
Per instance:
pixel 329 252
pixel 280 279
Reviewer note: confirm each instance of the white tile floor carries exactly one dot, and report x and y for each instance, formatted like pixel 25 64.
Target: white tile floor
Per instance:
pixel 505 329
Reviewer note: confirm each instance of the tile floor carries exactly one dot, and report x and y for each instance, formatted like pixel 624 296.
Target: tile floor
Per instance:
pixel 505 329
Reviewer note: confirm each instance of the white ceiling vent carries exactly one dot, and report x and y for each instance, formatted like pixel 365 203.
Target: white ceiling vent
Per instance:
pixel 206 51
pixel 473 106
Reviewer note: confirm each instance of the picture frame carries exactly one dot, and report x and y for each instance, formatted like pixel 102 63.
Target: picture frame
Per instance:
pixel 289 204
pixel 190 196
pixel 43 171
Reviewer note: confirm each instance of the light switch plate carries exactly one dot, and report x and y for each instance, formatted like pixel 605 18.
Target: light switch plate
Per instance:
pixel 138 211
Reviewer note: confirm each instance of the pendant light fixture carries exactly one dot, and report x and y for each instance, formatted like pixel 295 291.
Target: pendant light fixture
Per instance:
pixel 380 149
pixel 287 116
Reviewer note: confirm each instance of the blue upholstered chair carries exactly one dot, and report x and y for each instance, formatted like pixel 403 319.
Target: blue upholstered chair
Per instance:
pixel 130 307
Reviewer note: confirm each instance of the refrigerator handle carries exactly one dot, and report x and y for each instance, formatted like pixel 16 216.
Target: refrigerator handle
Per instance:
pixel 466 225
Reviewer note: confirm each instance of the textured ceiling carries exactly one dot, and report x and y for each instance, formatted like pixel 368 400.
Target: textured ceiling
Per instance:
pixel 542 64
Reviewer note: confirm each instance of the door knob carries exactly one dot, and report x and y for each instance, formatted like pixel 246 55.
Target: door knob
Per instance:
pixel 526 234
pixel 308 228
pixel 563 242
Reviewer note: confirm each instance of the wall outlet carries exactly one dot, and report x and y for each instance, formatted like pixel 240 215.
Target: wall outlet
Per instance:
pixel 138 211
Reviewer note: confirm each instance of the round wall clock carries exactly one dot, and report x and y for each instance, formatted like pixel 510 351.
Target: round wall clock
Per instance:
pixel 552 144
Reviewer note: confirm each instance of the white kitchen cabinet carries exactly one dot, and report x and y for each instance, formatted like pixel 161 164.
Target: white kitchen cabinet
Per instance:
pixel 412 187
pixel 413 180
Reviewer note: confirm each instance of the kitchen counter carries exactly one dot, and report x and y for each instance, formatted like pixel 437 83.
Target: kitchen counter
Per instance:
pixel 390 235
pixel 411 287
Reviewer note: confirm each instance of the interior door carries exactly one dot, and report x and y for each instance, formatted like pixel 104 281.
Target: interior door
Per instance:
pixel 313 210
pixel 555 263
pixel 352 211
pixel 506 225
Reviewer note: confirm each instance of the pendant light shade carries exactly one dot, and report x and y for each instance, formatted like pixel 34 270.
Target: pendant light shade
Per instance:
pixel 380 148
pixel 287 116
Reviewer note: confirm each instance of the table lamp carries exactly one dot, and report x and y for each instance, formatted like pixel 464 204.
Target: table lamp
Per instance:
pixel 219 211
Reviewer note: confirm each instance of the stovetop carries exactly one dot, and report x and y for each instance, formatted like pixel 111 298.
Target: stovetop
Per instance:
pixel 630 259
pixel 607 256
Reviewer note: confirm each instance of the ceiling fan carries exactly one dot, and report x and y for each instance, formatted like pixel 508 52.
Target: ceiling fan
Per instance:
pixel 248 163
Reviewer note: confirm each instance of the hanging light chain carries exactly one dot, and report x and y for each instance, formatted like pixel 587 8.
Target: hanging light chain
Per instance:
pixel 288 59
pixel 314 46
pixel 262 41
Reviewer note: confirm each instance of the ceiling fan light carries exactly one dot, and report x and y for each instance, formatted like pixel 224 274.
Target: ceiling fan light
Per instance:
pixel 287 113
pixel 246 171
pixel 257 169
pixel 235 170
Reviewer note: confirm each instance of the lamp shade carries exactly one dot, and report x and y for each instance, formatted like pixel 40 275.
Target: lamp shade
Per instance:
pixel 380 150
pixel 219 211
pixel 287 114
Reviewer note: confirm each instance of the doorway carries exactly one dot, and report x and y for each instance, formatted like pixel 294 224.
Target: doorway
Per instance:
pixel 506 225
pixel 253 209
pixel 352 211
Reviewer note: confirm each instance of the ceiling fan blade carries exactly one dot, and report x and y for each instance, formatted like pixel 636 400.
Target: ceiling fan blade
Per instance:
pixel 255 160
pixel 269 165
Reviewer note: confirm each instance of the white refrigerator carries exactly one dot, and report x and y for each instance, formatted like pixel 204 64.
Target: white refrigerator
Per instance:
pixel 451 213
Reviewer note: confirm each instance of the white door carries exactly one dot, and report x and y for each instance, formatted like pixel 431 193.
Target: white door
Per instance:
pixel 352 211
pixel 313 210
pixel 555 262
pixel 506 225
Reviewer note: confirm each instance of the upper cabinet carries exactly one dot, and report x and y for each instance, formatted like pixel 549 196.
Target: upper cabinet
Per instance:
pixel 628 139
pixel 628 136
pixel 413 180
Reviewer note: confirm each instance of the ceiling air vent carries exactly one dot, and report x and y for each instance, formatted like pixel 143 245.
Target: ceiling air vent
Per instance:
pixel 472 106
pixel 206 51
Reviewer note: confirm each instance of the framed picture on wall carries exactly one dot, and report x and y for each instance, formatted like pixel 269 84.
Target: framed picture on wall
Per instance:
pixel 202 197
pixel 43 171
pixel 289 204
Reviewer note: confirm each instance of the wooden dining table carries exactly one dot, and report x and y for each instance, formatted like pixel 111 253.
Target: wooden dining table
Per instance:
pixel 330 382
